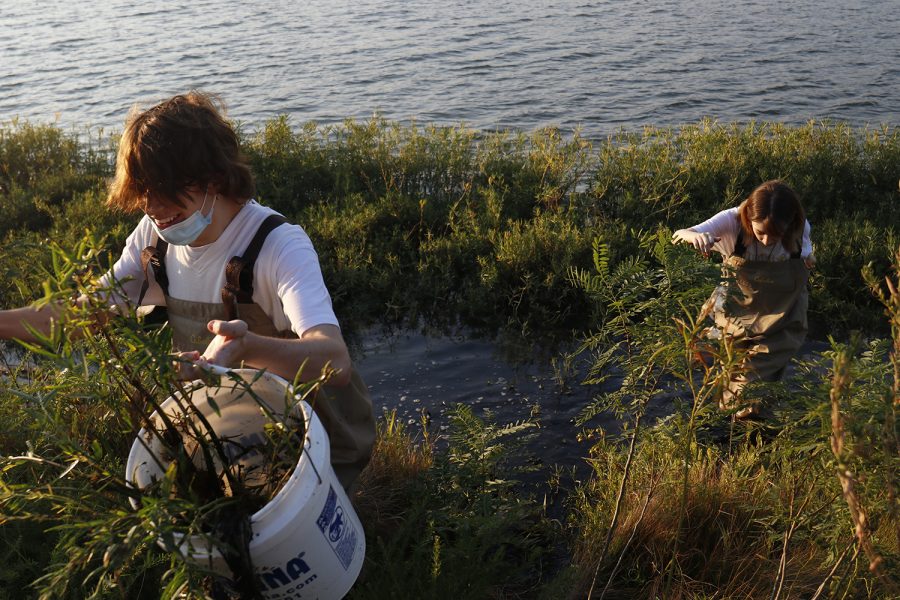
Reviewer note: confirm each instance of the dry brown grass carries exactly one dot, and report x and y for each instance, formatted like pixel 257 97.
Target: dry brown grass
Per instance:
pixel 723 545
pixel 397 459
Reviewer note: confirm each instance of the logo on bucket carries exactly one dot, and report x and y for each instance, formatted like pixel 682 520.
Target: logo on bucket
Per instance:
pixel 292 572
pixel 337 529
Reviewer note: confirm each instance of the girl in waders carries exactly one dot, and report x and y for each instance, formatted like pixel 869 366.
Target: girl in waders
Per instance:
pixel 768 254
pixel 240 285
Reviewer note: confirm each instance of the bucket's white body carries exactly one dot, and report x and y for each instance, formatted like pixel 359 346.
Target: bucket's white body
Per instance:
pixel 307 541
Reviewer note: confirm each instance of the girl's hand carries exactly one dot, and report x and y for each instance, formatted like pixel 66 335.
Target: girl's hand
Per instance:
pixel 810 262
pixel 702 241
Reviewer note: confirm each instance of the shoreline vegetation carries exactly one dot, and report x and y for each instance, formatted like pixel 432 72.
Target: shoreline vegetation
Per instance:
pixel 540 237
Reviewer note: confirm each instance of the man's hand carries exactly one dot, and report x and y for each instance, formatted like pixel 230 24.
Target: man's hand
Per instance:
pixel 320 347
pixel 227 349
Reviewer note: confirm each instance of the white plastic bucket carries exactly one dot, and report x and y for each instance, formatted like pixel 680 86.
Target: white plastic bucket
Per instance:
pixel 307 541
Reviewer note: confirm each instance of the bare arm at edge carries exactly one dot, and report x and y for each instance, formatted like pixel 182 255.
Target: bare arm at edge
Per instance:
pixel 16 323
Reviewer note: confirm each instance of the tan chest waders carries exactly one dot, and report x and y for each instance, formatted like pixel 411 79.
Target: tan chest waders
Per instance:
pixel 764 311
pixel 345 411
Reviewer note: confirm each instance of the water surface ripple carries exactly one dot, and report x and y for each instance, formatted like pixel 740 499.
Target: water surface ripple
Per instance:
pixel 490 64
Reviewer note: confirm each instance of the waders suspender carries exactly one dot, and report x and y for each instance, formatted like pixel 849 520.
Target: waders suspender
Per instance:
pixel 154 256
pixel 238 272
pixel 238 287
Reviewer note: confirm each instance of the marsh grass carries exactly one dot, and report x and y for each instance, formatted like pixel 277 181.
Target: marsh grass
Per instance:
pixel 434 512
pixel 700 506
pixel 449 224
pixel 398 461
pixel 444 517
pixel 42 168
pixel 722 530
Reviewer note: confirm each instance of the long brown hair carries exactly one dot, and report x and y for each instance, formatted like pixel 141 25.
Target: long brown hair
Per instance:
pixel 181 142
pixel 775 205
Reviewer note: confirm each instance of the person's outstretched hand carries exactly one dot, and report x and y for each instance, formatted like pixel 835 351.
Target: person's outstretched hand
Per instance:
pixel 702 241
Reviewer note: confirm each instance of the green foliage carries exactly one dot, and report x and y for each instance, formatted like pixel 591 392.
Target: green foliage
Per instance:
pixel 645 321
pixel 699 169
pixel 93 386
pixel 514 231
pixel 309 165
pixel 838 305
pixel 41 167
pixel 466 527
pixel 723 535
pixel 443 224
pixel 51 187
pixel 463 220
pixel 447 224
pixel 23 553
pixel 843 177
pixel 464 530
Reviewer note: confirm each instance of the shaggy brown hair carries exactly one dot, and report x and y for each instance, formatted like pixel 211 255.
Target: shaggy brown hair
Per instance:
pixel 181 142
pixel 775 205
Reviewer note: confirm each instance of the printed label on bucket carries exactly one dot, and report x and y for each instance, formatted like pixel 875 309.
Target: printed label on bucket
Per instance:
pixel 294 573
pixel 337 529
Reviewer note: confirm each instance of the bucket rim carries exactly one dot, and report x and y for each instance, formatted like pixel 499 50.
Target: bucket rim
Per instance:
pixel 310 418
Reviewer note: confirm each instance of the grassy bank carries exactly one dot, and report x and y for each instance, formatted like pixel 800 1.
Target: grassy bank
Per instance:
pixel 545 237
pixel 447 224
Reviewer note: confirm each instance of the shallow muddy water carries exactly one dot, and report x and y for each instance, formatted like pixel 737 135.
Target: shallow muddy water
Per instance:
pixel 410 372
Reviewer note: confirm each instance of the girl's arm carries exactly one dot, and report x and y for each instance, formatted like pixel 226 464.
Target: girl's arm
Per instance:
pixel 26 324
pixel 806 249
pixel 319 347
pixel 719 233
pixel 287 275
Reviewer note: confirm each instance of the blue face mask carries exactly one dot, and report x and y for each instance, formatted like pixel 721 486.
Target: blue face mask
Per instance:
pixel 185 232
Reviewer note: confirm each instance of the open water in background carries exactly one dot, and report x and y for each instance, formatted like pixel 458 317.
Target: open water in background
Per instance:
pixel 491 64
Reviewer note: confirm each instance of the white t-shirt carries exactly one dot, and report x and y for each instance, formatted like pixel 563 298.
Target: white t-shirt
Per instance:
pixel 287 280
pixel 726 225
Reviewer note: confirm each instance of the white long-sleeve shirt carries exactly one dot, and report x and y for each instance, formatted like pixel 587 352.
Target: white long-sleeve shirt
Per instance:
pixel 726 225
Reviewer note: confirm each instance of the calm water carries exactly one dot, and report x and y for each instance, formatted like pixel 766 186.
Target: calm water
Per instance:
pixel 490 64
